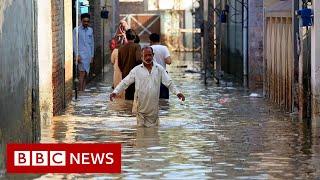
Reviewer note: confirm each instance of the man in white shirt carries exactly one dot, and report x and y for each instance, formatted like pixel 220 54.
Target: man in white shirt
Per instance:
pixel 162 57
pixel 147 78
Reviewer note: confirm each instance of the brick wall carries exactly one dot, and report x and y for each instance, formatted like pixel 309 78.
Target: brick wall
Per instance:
pixel 58 55
pixel 255 44
pixel 116 9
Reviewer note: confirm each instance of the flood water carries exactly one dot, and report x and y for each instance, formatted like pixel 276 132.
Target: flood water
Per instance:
pixel 219 132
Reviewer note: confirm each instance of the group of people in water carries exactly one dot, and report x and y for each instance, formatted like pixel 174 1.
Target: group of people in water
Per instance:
pixel 139 73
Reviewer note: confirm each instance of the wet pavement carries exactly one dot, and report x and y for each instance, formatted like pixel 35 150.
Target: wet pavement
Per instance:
pixel 219 132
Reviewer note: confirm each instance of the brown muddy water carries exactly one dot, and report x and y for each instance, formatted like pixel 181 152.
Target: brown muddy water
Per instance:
pixel 219 132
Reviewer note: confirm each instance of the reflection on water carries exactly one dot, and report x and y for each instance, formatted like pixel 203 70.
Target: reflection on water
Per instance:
pixel 218 133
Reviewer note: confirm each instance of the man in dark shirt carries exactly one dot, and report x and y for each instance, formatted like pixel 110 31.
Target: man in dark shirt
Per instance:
pixel 129 56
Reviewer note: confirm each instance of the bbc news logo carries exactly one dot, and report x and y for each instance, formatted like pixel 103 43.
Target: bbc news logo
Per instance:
pixel 63 158
pixel 39 158
pixel 58 158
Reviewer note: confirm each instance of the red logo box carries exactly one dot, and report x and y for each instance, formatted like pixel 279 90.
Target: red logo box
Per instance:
pixel 64 158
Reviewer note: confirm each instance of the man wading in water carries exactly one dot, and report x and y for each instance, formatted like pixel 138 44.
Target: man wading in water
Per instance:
pixel 147 78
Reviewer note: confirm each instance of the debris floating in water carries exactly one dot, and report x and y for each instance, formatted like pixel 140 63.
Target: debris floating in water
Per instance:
pixel 223 100
pixel 255 95
pixel 191 71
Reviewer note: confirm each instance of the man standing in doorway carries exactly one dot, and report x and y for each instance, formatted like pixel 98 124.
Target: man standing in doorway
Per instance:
pixel 84 51
pixel 147 78
pixel 162 57
pixel 129 56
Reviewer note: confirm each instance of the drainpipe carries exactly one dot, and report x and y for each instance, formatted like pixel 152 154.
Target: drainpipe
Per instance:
pixel 245 8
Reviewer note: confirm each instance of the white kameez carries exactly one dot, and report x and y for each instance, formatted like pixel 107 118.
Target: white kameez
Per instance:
pixel 147 90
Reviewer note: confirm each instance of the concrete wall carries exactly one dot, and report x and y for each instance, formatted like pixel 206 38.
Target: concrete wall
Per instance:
pixel 116 14
pixel 170 29
pixel 132 8
pixel 17 72
pixel 96 24
pixel 35 47
pixel 315 65
pixel 109 26
pixel 188 41
pixel 267 3
pixel 255 44
pixel 68 51
pixel 45 60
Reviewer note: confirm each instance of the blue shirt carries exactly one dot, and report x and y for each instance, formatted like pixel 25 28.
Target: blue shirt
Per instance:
pixel 85 45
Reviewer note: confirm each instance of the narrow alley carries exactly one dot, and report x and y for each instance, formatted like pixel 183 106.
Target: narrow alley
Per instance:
pixel 248 71
pixel 219 132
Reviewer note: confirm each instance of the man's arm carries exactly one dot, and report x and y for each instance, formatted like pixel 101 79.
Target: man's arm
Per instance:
pixel 167 56
pixel 74 41
pixel 167 81
pixel 92 45
pixel 124 84
pixel 167 60
pixel 75 45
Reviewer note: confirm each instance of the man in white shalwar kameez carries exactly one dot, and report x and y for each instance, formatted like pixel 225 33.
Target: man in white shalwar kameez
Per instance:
pixel 147 78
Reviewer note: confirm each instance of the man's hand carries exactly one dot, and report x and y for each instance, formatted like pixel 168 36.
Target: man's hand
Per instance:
pixel 181 96
pixel 91 61
pixel 168 60
pixel 112 96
